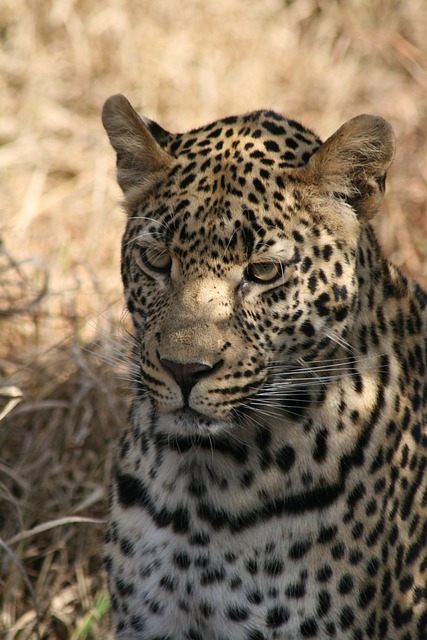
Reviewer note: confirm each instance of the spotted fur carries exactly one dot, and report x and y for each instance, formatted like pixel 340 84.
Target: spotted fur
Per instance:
pixel 271 482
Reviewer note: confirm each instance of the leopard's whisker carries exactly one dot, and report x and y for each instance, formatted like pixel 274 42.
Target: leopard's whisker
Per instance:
pixel 334 337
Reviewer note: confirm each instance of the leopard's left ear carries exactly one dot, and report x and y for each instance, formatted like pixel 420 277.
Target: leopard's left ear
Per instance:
pixel 353 163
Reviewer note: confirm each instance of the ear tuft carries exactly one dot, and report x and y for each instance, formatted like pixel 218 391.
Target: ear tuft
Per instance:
pixel 353 163
pixel 139 155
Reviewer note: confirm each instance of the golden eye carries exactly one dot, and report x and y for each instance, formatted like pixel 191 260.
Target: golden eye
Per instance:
pixel 158 260
pixel 264 272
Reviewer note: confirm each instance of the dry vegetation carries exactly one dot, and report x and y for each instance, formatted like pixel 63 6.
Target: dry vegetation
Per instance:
pixel 182 63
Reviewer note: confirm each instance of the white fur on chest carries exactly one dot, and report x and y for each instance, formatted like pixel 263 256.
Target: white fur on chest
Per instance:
pixel 220 582
pixel 183 586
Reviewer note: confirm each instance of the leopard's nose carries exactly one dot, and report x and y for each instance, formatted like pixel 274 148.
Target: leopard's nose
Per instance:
pixel 187 375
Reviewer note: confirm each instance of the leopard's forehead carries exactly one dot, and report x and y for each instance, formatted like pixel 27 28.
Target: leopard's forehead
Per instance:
pixel 264 137
pixel 227 196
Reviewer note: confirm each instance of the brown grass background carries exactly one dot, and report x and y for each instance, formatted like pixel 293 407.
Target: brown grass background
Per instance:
pixel 182 63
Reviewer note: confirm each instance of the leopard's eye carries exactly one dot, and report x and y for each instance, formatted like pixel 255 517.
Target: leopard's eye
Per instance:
pixel 156 259
pixel 264 272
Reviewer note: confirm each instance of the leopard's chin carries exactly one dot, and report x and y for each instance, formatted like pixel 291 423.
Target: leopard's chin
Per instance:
pixel 191 421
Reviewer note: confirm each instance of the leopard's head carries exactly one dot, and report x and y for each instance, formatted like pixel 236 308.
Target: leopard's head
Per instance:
pixel 239 255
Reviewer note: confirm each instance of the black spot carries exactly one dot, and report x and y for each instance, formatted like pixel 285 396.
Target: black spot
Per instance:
pixel 215 574
pixel 277 616
pixel 383 628
pixel 235 583
pixel 247 479
pixel 285 458
pixel 409 498
pixel 289 156
pixel 327 252
pixel 324 603
pixel 131 491
pixel 216 517
pixel 306 264
pixel 324 574
pixel 187 181
pixel 200 539
pixel 327 534
pixel 201 561
pixel 346 584
pixel 263 437
pixel 137 623
pixel 341 314
pixel 356 495
pixel 371 507
pixel 168 583
pixel 126 547
pixel 321 448
pixel 258 185
pixel 124 588
pixel 357 530
pixel 237 614
pixel 255 597
pixel 273 128
pixel 271 145
pixel 338 551
pixel 181 520
pixel 181 560
pixel 355 556
pixel 296 590
pixel 320 304
pixel 251 566
pixel 401 617
pixel 308 329
pixel 373 566
pixel 346 618
pixel 108 563
pixel 273 567
pixel 299 549
pixel 386 583
pixel 196 487
pixel 312 283
pixel 206 609
pixel 291 143
pixel 376 532
pixel 309 628
pixel 366 595
pixel 230 557
pixel 131 306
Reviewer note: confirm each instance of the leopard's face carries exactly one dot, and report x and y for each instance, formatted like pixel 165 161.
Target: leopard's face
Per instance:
pixel 239 257
pixel 238 267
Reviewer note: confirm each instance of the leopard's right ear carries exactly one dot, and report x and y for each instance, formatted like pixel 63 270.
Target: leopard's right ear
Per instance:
pixel 139 155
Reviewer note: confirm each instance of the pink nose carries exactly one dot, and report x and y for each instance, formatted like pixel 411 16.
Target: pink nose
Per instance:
pixel 187 375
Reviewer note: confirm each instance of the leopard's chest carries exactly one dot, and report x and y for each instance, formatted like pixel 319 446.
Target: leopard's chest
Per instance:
pixel 272 580
pixel 215 543
pixel 184 559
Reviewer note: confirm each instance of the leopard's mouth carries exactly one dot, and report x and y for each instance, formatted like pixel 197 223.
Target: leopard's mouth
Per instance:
pixel 190 416
pixel 190 421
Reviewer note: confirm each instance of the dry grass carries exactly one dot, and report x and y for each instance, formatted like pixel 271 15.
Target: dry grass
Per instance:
pixel 182 63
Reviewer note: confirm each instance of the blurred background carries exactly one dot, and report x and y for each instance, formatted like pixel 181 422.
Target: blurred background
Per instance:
pixel 64 390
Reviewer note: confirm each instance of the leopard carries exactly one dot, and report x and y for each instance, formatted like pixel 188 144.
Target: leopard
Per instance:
pixel 270 481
